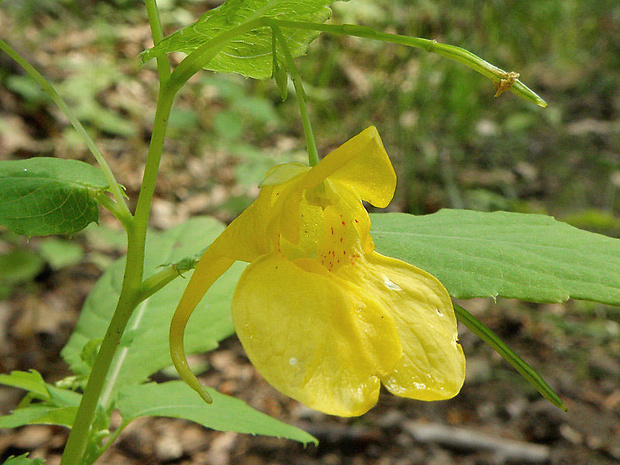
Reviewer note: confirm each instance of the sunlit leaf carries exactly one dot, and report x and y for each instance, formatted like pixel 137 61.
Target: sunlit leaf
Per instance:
pixel 528 257
pixel 177 400
pixel 42 196
pixel 249 54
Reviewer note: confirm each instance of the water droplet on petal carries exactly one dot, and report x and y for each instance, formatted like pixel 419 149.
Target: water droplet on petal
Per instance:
pixel 390 285
pixel 292 361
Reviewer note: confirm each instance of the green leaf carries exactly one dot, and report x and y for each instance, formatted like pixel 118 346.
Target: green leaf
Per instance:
pixel 528 257
pixel 177 400
pixel 63 397
pixel 60 253
pixel 249 54
pixel 20 265
pixel 30 381
pixel 24 416
pixel 42 196
pixel 145 348
pixel 58 406
pixel 39 414
pixel 23 460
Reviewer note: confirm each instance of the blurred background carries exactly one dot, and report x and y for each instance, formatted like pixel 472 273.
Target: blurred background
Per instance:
pixel 453 146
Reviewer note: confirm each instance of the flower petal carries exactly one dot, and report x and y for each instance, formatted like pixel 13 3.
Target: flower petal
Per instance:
pixel 315 340
pixel 362 164
pixel 208 270
pixel 433 364
pixel 280 174
pixel 251 234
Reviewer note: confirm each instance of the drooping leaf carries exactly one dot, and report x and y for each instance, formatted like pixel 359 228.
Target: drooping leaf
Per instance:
pixel 42 196
pixel 528 257
pixel 249 54
pixel 144 347
pixel 177 400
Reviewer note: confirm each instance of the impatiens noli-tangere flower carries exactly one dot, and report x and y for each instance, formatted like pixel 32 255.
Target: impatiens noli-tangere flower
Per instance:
pixel 323 317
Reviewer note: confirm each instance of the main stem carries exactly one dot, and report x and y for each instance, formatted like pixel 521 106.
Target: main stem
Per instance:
pixel 130 295
pixel 80 431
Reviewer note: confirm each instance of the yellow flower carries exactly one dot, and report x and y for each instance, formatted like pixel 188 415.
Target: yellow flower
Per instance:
pixel 322 316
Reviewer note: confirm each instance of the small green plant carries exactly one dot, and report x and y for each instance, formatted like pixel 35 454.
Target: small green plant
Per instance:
pixel 319 267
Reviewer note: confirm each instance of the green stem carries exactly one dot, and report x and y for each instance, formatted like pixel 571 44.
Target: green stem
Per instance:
pixel 313 154
pixel 488 336
pixel 151 170
pixel 452 52
pixel 121 206
pixel 158 281
pixel 163 66
pixel 109 204
pixel 80 431
pixel 130 292
pixel 112 437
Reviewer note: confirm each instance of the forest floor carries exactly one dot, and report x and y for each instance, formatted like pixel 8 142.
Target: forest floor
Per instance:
pixel 497 418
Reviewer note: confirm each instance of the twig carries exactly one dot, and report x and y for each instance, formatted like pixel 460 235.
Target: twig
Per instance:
pixel 461 438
